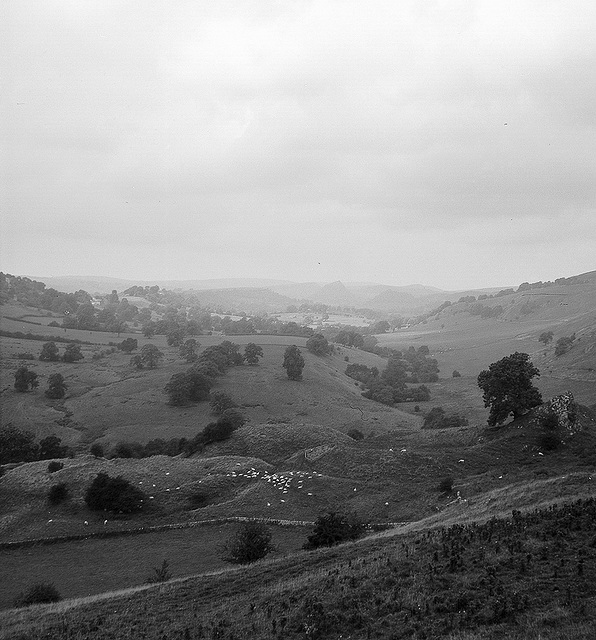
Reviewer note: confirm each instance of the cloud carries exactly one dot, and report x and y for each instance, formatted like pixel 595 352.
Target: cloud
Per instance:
pixel 208 124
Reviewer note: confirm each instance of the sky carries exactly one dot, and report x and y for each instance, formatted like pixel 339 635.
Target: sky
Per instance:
pixel 448 143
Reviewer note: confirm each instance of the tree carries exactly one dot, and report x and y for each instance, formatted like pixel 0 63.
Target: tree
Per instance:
pixel 49 352
pixel 56 386
pixel 507 387
pixel 72 353
pixel 51 447
pixel 186 386
pixel 17 446
pixel 175 336
pixel 25 380
pixel 251 542
pixel 113 494
pixel 252 353
pixel 137 361
pixel 150 356
pixel 318 345
pixel 382 326
pixel 149 329
pixel 128 345
pixel 178 389
pixel 546 337
pixel 220 401
pixel 293 362
pixel 188 350
pixel 333 528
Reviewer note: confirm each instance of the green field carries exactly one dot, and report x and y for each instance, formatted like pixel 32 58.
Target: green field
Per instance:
pixel 88 567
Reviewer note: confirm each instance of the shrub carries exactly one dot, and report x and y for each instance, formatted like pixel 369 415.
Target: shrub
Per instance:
pixel 198 500
pixel 127 450
pixel 549 420
pixel 549 441
pixel 437 419
pixel 293 362
pixel 356 434
pixel 72 353
pixel 333 528
pixel 251 542
pixel 58 493
pixel 26 356
pixel 456 374
pixel 56 387
pixel 160 574
pixel 54 466
pixel 17 446
pixel 49 352
pixel 113 494
pixel 218 431
pixel 96 450
pixel 25 380
pixel 564 344
pixel 220 401
pixel 39 593
pixel 51 447
pixel 236 417
pixel 446 485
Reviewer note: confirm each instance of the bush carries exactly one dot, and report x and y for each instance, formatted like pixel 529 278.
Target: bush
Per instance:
pixel 26 356
pixel 113 494
pixel 127 450
pixel 55 466
pixel 40 593
pixel 251 542
pixel 72 353
pixel 437 419
pixel 160 574
pixel 446 485
pixel 234 416
pixel 549 441
pixel 220 401
pixel 96 450
pixel 456 374
pixel 198 500
pixel 56 387
pixel 24 380
pixel 51 447
pixel 218 431
pixel 356 434
pixel 58 493
pixel 333 528
pixel 49 352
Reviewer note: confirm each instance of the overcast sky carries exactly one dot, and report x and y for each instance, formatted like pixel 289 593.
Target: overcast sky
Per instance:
pixel 449 143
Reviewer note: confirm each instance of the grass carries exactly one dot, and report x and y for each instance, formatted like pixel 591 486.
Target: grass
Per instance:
pixel 94 566
pixel 531 576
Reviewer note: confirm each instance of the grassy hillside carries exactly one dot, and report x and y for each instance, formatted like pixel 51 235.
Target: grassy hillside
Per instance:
pixel 526 577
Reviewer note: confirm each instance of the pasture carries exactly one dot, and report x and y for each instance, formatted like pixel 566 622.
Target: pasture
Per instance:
pixel 87 567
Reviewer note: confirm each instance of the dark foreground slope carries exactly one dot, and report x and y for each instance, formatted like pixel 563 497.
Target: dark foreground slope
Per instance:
pixel 528 576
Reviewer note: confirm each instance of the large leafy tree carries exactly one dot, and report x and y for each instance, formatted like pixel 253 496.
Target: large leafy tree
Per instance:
pixel 252 353
pixel 150 356
pixel 188 350
pixel 318 345
pixel 293 362
pixel 508 388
